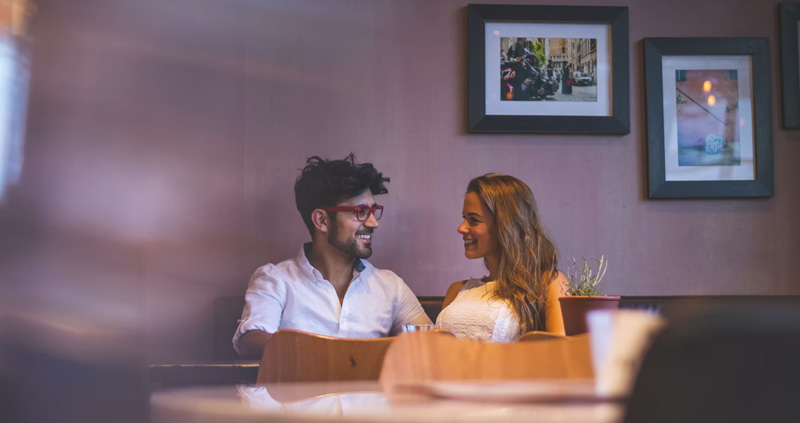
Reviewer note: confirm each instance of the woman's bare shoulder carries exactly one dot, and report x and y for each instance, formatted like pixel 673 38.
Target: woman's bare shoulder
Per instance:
pixel 452 292
pixel 560 277
pixel 558 283
pixel 456 286
pixel 454 289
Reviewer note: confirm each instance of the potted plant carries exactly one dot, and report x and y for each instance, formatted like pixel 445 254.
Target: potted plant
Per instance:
pixel 583 295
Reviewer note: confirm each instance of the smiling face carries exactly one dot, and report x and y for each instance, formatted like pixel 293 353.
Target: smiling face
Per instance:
pixel 478 228
pixel 348 234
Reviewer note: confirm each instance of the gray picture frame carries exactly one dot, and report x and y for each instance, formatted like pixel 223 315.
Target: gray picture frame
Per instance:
pixel 789 16
pixel 617 18
pixel 762 185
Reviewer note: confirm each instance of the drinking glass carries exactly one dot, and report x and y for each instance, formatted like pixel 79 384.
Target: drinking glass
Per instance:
pixel 619 340
pixel 417 328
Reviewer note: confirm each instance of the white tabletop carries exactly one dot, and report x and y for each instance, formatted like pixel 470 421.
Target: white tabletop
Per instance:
pixel 534 401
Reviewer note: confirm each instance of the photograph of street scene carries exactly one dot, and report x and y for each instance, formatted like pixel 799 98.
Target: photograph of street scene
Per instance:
pixel 707 103
pixel 548 69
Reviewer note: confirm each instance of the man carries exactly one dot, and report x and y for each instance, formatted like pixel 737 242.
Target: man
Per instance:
pixel 551 71
pixel 329 288
pixel 521 48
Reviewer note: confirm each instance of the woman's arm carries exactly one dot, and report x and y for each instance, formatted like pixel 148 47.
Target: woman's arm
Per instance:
pixel 452 291
pixel 552 308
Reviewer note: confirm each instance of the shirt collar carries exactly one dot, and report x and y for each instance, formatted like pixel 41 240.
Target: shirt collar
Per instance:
pixel 359 266
pixel 305 265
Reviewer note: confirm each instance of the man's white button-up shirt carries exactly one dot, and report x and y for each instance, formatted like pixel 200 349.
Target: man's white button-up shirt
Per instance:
pixel 293 295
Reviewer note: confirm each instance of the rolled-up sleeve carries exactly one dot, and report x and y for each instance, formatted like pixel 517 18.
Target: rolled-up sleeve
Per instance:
pixel 408 310
pixel 263 303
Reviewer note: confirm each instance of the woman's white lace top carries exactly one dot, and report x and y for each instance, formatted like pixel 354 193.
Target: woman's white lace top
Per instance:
pixel 476 314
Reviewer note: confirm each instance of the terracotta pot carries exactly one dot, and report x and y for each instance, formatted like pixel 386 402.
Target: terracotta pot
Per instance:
pixel 574 309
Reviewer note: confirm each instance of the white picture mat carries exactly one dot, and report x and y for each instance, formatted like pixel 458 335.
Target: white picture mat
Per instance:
pixel 601 32
pixel 745 171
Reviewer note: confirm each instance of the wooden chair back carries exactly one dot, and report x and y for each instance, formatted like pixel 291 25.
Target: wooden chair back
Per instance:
pixel 296 356
pixel 537 335
pixel 416 358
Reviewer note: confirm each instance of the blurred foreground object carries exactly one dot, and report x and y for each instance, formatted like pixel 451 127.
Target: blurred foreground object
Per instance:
pixel 735 366
pixel 54 369
pixel 14 79
pixel 71 338
pixel 619 340
pixel 14 16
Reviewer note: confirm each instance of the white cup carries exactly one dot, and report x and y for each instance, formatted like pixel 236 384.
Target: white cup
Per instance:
pixel 619 339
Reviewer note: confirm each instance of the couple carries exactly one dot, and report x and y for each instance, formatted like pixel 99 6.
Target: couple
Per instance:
pixel 330 289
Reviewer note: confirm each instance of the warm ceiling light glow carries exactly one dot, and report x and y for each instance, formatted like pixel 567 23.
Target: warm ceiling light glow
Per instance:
pixel 707 86
pixel 14 16
pixel 711 100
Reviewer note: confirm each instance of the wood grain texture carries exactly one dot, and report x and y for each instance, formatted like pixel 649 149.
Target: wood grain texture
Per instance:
pixel 538 335
pixel 296 356
pixel 416 358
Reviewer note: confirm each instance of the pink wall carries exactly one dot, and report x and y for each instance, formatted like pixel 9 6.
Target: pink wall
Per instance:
pixel 164 138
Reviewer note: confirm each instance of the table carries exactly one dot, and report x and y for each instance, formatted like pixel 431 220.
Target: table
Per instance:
pixel 365 402
pixel 228 372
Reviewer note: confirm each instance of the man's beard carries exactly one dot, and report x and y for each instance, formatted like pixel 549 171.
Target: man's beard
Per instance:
pixel 350 246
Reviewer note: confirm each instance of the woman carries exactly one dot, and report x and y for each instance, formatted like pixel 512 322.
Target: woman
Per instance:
pixel 501 225
pixel 566 77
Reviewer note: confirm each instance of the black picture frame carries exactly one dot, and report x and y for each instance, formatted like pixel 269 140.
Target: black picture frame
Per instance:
pixel 616 17
pixel 762 185
pixel 789 16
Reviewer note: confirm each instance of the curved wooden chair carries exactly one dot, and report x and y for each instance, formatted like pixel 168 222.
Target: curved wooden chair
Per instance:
pixel 296 356
pixel 416 358
pixel 444 332
pixel 537 335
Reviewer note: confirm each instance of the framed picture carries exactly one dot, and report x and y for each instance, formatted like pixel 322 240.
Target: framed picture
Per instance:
pixel 789 15
pixel 548 69
pixel 708 117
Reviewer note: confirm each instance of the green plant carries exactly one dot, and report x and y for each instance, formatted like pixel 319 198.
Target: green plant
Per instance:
pixel 583 280
pixel 537 49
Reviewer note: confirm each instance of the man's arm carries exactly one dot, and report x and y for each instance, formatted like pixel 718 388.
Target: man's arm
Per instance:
pixel 420 319
pixel 261 316
pixel 252 344
pixel 408 310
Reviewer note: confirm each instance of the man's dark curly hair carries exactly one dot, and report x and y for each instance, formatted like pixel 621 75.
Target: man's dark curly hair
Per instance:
pixel 326 183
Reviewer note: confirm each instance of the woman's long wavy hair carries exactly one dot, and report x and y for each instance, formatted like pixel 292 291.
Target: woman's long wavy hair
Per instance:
pixel 528 257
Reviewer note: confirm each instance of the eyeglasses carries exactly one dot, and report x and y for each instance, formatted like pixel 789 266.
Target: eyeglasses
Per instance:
pixel 362 212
